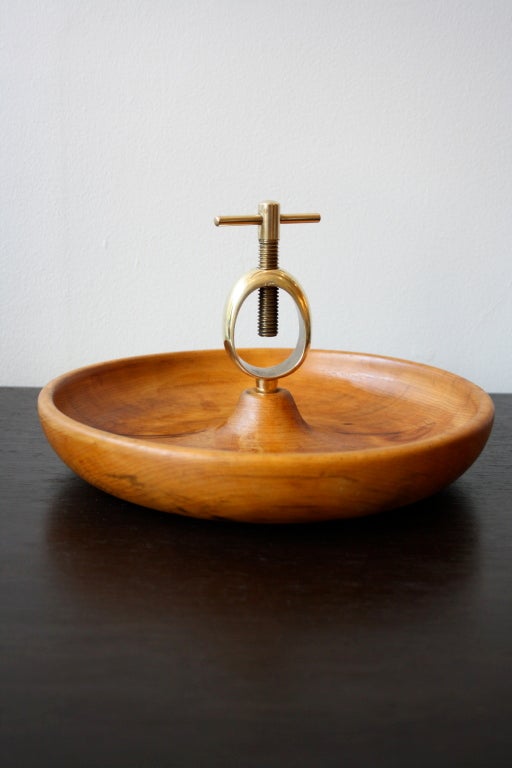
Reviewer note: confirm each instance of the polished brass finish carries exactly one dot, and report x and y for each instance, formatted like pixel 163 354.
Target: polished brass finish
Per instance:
pixel 266 386
pixel 252 281
pixel 285 218
pixel 268 220
pixel 236 221
pixel 268 233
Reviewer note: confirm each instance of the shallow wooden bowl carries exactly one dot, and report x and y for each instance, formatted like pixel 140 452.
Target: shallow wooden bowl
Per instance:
pixel 352 434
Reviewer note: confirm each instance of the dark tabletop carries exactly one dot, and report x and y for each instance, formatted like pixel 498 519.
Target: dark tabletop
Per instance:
pixel 132 638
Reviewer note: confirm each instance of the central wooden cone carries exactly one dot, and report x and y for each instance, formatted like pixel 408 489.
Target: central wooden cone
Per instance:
pixel 264 422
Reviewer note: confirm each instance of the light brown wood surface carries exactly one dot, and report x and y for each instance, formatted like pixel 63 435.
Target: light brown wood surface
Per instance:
pixel 346 435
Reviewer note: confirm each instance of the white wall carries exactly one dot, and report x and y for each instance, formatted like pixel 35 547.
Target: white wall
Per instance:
pixel 127 125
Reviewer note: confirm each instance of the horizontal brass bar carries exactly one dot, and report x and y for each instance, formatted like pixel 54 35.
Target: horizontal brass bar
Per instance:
pixel 237 221
pixel 300 218
pixel 285 218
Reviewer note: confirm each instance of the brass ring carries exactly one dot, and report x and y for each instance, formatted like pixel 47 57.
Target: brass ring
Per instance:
pixel 260 278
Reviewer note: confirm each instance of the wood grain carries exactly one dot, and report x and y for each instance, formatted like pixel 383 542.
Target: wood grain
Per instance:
pixel 355 434
pixel 131 638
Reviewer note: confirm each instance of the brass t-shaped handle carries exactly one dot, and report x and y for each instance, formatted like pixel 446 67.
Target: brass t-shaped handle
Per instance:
pixel 268 220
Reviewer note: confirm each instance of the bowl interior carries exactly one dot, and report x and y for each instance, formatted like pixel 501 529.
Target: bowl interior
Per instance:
pixel 368 401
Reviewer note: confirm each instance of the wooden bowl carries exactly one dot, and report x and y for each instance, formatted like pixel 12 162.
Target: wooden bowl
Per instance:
pixel 355 434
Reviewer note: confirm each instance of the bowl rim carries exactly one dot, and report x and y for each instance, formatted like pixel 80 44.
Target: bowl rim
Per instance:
pixel 480 422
